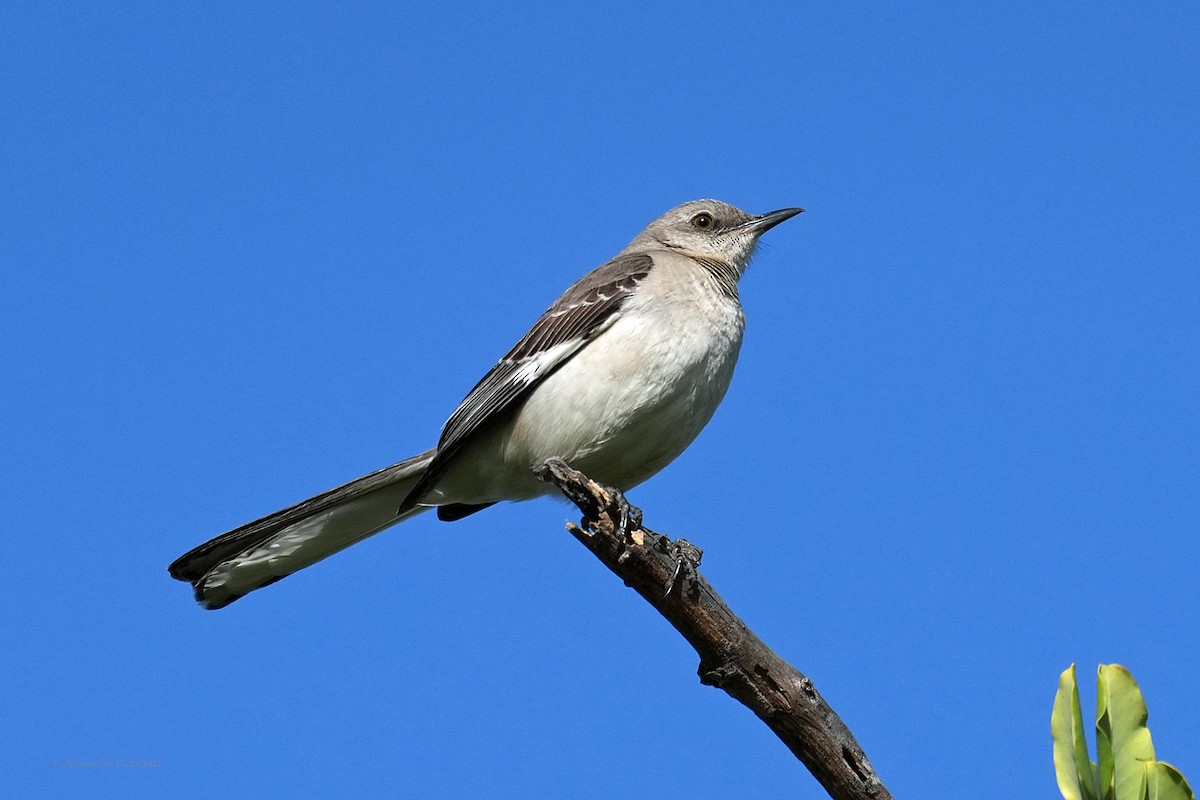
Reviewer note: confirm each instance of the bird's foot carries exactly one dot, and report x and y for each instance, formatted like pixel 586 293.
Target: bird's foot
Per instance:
pixel 627 517
pixel 687 560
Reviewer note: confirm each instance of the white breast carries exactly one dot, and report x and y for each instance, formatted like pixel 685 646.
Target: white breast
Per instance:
pixel 624 406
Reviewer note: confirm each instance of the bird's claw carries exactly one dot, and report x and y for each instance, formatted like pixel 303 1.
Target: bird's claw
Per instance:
pixel 687 560
pixel 628 517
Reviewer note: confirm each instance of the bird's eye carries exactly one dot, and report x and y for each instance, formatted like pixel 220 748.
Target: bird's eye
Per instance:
pixel 704 221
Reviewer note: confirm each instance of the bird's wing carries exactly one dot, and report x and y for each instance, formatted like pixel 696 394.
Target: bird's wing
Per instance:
pixel 582 313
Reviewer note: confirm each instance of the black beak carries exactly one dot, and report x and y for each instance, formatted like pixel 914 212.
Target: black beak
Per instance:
pixel 765 222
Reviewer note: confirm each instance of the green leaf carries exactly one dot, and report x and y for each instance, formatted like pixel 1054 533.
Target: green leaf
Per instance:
pixel 1122 738
pixel 1164 782
pixel 1075 771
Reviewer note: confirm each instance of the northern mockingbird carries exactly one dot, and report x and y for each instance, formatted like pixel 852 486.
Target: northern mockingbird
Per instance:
pixel 617 378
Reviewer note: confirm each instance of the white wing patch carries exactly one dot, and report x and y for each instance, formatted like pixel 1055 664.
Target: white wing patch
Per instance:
pixel 530 369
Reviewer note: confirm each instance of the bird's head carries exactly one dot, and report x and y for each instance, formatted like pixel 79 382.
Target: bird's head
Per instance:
pixel 710 229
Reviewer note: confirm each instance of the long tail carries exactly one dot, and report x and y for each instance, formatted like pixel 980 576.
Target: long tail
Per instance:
pixel 261 552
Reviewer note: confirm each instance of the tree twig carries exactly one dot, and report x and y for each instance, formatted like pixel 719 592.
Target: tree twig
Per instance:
pixel 732 657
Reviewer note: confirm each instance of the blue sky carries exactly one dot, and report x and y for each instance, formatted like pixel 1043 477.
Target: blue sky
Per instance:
pixel 253 252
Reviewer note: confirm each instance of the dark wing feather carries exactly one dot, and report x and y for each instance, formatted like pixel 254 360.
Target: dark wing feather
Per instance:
pixel 583 311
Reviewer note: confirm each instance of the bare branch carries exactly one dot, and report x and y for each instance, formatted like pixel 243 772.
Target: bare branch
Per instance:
pixel 732 657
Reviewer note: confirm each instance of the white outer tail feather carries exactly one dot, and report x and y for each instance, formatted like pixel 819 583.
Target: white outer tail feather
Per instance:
pixel 268 549
pixel 305 543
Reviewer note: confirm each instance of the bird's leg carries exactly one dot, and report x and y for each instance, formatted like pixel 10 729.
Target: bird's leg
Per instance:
pixel 596 501
pixel 687 560
pixel 628 517
pixel 686 555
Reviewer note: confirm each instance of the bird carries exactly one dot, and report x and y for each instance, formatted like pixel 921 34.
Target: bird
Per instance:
pixel 617 378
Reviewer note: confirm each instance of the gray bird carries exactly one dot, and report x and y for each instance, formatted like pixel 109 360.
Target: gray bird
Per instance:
pixel 616 378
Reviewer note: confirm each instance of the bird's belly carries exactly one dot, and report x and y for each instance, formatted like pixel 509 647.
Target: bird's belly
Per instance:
pixel 619 411
pixel 622 427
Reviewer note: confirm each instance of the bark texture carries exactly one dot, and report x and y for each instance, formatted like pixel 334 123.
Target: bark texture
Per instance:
pixel 732 657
